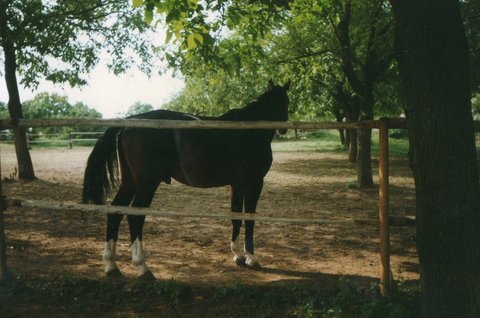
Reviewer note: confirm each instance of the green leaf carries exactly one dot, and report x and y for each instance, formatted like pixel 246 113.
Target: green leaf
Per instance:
pixel 230 68
pixel 198 38
pixel 192 4
pixel 191 42
pixel 177 29
pixel 168 37
pixel 194 40
pixel 137 3
pixel 148 16
pixel 161 8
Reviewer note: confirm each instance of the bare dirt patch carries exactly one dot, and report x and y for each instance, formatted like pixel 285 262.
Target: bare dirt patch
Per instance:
pixel 197 251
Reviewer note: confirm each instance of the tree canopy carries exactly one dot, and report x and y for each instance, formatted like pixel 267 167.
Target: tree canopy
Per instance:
pixel 139 108
pixel 252 42
pixel 61 41
pixel 46 105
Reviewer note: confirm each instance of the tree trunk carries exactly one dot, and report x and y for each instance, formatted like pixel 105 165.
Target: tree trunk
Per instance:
pixel 347 139
pixel 366 101
pixel 25 166
pixel 433 59
pixel 341 132
pixel 353 145
pixel 364 159
pixel 353 114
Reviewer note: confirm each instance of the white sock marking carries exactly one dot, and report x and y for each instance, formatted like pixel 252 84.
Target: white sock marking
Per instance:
pixel 109 254
pixel 235 247
pixel 138 257
pixel 251 259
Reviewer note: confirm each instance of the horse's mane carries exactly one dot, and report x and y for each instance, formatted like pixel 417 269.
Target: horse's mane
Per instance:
pixel 251 111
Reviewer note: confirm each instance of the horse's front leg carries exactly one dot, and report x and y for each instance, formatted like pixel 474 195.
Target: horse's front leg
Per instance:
pixel 237 206
pixel 252 194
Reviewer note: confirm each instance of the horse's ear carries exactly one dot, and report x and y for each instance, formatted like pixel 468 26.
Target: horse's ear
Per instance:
pixel 287 85
pixel 270 84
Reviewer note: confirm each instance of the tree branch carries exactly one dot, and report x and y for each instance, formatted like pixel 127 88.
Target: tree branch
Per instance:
pixel 343 36
pixel 303 56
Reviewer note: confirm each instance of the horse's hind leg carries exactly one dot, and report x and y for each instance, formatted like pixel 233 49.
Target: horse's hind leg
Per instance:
pixel 143 198
pixel 237 206
pixel 252 194
pixel 123 198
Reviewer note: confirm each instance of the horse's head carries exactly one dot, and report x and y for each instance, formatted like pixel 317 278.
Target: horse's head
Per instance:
pixel 278 102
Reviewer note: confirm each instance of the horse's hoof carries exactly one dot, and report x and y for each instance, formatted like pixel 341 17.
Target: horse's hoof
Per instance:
pixel 114 273
pixel 147 277
pixel 254 266
pixel 240 260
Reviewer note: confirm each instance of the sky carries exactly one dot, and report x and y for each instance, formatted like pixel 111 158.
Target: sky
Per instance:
pixel 109 94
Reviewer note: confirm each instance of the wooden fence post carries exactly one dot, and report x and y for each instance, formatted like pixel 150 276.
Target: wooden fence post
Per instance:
pixel 384 213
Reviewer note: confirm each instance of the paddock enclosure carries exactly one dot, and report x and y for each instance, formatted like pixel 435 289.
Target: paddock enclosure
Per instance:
pixel 300 185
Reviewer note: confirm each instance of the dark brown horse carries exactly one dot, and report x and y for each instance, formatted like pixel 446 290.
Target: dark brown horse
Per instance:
pixel 195 157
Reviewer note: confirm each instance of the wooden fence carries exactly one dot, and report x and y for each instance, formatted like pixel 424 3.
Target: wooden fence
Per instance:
pixel 68 139
pixel 383 125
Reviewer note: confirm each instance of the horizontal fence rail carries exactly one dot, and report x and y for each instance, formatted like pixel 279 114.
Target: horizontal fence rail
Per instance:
pixel 195 124
pixel 70 138
pixel 113 209
pixel 393 123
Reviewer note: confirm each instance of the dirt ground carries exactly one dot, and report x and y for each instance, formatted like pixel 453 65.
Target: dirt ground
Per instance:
pixel 197 251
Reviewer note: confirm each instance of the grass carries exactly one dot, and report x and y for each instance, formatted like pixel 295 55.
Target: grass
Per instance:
pixel 51 296
pixel 329 141
pixel 321 141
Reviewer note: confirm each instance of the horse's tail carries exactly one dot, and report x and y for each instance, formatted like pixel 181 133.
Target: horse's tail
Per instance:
pixel 102 168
